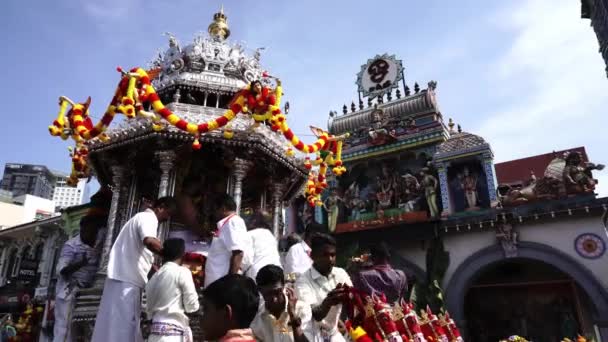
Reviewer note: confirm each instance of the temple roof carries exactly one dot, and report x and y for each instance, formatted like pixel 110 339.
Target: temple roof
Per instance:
pixel 210 62
pixel 460 143
pixel 418 103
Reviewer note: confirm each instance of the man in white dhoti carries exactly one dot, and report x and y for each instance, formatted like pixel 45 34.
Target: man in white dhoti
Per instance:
pixel 231 246
pixel 130 261
pixel 171 295
pixel 76 268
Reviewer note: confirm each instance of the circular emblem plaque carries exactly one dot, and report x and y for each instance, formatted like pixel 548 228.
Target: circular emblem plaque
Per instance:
pixel 379 75
pixel 590 246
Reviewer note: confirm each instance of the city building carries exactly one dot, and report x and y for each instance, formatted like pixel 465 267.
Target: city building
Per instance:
pixel 66 196
pixel 23 209
pixel 28 255
pixel 597 11
pixel 22 179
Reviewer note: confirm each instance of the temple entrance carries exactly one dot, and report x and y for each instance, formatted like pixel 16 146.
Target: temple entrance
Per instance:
pixel 525 297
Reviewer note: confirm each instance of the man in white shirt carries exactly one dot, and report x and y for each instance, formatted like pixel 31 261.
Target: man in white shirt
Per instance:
pixel 231 245
pixel 76 268
pixel 297 260
pixel 322 287
pixel 171 295
pixel 130 261
pixel 282 317
pixel 265 249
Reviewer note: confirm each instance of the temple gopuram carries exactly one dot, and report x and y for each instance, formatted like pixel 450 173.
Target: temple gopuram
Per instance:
pixel 514 248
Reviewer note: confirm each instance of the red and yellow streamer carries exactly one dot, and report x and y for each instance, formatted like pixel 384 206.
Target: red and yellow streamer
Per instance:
pixel 135 90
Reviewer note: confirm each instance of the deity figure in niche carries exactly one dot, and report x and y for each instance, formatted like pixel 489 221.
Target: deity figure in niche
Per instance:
pixel 331 205
pixel 469 185
pixel 353 200
pixel 429 183
pixel 378 132
pixel 410 192
pixel 386 187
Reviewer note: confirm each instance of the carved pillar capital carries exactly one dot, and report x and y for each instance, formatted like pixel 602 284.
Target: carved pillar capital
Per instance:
pixel 166 162
pixel 118 174
pixel 277 191
pixel 166 159
pixel 240 167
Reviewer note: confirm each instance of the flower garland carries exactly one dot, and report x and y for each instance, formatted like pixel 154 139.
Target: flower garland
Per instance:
pixel 135 89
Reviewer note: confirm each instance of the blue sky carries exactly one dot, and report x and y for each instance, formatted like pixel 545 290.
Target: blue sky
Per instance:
pixel 526 75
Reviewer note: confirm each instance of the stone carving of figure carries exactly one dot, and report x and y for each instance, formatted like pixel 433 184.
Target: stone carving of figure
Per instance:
pixel 577 175
pixel 386 188
pixel 469 185
pixel 353 200
pixel 508 239
pixel 429 183
pixel 331 206
pixel 377 132
pixel 257 55
pixel 173 41
pixel 411 192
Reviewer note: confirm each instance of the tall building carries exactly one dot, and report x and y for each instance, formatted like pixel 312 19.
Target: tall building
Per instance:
pixel 597 11
pixel 26 179
pixel 66 196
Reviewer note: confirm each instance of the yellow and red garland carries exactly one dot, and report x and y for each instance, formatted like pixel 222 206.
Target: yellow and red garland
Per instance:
pixel 135 89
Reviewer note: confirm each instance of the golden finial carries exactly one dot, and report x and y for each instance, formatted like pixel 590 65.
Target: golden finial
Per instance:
pixel 219 29
pixel 451 125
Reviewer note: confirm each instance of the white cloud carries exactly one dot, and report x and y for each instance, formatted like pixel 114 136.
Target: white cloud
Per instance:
pixel 558 86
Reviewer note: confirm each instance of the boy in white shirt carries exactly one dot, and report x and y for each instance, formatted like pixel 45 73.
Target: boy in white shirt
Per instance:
pixel 130 261
pixel 171 295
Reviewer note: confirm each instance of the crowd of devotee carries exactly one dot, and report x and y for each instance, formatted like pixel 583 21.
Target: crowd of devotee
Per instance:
pixel 249 291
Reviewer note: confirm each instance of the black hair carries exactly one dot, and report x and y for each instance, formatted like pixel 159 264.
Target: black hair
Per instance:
pixel 320 240
pixel 314 228
pixel 269 275
pixel 259 220
pixel 292 239
pixel 173 249
pixel 240 293
pixel 225 201
pixel 379 252
pixel 253 83
pixel 168 203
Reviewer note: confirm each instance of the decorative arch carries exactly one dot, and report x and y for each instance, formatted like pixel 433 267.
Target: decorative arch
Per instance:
pixel 467 272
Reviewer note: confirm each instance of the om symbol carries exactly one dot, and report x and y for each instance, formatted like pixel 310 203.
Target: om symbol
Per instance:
pixel 378 70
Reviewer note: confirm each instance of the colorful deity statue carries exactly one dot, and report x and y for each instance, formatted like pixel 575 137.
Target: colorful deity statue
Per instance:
pixel 469 185
pixel 410 192
pixel 577 174
pixel 430 184
pixel 331 205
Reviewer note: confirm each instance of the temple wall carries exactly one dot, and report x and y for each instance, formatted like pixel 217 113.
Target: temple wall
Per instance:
pixel 559 234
